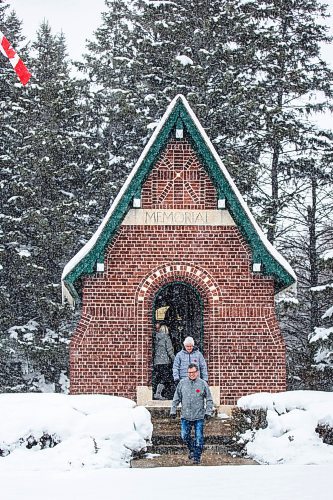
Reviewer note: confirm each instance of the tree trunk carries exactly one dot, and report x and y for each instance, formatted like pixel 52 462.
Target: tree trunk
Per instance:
pixel 275 194
pixel 313 258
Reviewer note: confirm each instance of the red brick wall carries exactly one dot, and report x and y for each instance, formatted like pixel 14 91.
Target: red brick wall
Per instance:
pixel 111 349
pixel 179 181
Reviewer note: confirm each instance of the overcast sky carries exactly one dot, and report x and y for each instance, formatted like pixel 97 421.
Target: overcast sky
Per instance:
pixel 78 19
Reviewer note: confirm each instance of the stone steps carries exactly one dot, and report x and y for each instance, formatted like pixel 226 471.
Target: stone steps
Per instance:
pixel 176 449
pixel 168 450
pixel 212 427
pixel 165 439
pixel 171 443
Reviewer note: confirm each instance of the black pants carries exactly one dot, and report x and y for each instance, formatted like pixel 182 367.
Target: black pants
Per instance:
pixel 163 375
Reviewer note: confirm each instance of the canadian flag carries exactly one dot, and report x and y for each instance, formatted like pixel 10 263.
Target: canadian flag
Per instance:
pixel 19 67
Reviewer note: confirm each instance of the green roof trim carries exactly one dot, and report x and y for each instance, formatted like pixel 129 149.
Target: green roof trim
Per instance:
pixel 178 114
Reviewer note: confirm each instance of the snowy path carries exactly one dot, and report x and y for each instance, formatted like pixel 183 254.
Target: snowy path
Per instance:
pixel 272 482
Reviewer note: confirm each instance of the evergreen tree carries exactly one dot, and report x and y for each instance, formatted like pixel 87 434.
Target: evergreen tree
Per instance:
pixel 145 53
pixel 12 116
pixel 321 338
pixel 48 213
pixel 108 111
pixel 12 97
pixel 293 193
pixel 307 238
pixel 321 335
pixel 286 37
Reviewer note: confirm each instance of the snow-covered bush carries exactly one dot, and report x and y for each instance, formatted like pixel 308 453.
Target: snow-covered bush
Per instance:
pixel 291 435
pixel 60 432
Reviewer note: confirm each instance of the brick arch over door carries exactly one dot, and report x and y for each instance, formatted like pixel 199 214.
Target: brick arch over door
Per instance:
pixel 211 297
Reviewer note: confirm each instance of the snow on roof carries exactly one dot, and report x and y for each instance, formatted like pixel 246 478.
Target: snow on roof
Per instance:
pixel 91 243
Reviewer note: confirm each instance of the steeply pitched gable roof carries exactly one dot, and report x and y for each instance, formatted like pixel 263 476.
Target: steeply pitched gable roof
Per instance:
pixel 84 262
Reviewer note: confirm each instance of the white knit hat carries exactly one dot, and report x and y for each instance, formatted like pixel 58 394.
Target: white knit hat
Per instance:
pixel 188 341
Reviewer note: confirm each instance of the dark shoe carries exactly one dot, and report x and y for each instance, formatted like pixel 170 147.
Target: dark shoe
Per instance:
pixel 190 455
pixel 196 461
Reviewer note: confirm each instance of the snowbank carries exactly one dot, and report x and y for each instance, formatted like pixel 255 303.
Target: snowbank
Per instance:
pixel 290 436
pixel 61 432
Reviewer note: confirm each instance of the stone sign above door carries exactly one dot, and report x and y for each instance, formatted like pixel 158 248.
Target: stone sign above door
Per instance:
pixel 151 217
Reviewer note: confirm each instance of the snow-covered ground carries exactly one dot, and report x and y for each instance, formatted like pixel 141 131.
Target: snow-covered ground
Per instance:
pixel 97 434
pixel 249 482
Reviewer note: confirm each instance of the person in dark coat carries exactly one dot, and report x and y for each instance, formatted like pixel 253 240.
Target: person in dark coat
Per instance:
pixel 196 405
pixel 163 358
pixel 189 354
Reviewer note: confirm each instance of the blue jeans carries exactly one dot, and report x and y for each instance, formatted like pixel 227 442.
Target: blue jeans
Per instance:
pixel 195 445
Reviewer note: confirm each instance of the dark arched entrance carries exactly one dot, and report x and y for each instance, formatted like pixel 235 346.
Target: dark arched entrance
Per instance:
pixel 179 306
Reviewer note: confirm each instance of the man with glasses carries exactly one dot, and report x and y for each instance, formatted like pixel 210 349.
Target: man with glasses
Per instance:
pixel 196 405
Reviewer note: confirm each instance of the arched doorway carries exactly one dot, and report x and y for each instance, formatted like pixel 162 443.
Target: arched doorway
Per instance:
pixel 179 306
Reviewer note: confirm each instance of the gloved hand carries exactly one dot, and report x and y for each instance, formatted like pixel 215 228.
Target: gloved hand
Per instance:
pixel 208 417
pixel 172 415
pixel 176 381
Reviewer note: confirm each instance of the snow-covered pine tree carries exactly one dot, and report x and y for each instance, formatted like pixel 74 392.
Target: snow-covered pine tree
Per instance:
pixel 112 117
pixel 291 82
pixel 308 237
pixel 144 53
pixel 12 117
pixel 202 57
pixel 50 211
pixel 321 339
pixel 321 334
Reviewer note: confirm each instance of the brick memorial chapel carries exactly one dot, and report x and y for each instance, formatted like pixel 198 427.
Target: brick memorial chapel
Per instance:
pixel 180 245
